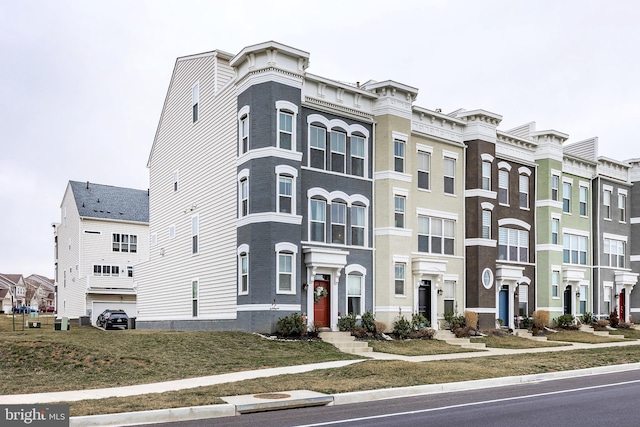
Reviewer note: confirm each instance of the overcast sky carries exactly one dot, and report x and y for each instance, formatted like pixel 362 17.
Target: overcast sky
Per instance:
pixel 82 82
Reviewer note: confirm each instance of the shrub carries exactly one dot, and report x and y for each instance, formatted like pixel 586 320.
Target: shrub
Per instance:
pixel 601 325
pixel 624 325
pixel 463 332
pixel 368 322
pixel 380 327
pixel 527 322
pixel 614 319
pixel 291 326
pixel 565 321
pixel 471 319
pixel 422 334
pixel 401 327
pixel 587 318
pixel 418 321
pixel 454 321
pixel 347 323
pixel 540 318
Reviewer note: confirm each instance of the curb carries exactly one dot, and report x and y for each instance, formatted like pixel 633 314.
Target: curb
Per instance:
pixel 227 410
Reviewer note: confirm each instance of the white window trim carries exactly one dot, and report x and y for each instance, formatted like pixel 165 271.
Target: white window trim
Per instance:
pixel 243 249
pixel 286 247
pixel 175 177
pixel 242 175
pixel 362 272
pixel 292 108
pixel 424 148
pixel 524 171
pixel 504 165
pixel 293 173
pixel 197 233
pixel 197 281
pixel 486 157
pixel 244 111
pixel 196 86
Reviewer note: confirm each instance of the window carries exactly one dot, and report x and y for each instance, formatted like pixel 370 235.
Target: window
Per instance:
pixel 244 134
pixel 338 151
pixel 486 224
pixel 503 187
pixel 318 143
pixel 487 278
pixel 622 207
pixel 436 235
pixel 614 253
pixel 524 191
pixel 398 155
pixel 318 211
pixel 399 278
pixel 129 271
pixel 398 203
pixel 424 170
pixel 175 180
pixel 486 175
pixel 195 101
pixel 195 230
pixel 513 245
pixel 244 274
pixel 285 126
pixel 354 294
pixel 107 270
pixel 555 187
pixel 338 223
pixel 194 298
pixel 172 231
pixel 555 281
pixel 285 194
pixel 607 298
pixel 566 197
pixel 583 200
pixel 449 296
pixel 574 249
pixel 583 299
pixel 244 197
pixel 357 155
pixel 523 300
pixel 285 272
pixel 125 243
pixel 449 175
pixel 606 202
pixel 555 230
pixel 357 225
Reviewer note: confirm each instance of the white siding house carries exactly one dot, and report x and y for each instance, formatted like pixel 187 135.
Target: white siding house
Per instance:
pixel 191 272
pixel 102 235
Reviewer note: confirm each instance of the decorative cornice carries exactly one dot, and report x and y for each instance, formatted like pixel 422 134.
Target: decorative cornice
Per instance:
pixel 580 167
pixel 331 107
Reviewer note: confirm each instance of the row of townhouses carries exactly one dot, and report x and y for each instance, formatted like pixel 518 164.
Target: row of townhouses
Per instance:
pixel 274 191
pixel 35 291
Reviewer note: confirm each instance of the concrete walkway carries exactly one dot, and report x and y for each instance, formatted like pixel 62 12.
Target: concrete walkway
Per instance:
pixel 135 390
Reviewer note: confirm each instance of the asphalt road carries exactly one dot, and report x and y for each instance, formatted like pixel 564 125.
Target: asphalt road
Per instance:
pixel 596 400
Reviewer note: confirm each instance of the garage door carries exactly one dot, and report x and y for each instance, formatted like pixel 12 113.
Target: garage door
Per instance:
pixel 100 306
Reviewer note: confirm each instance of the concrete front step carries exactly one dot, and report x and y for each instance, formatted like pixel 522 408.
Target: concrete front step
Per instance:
pixel 523 333
pixel 345 342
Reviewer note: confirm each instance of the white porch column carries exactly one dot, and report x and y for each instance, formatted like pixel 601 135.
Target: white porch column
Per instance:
pixel 334 301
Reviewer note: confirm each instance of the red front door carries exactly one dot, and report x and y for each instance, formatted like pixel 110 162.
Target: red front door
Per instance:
pixel 622 306
pixel 321 315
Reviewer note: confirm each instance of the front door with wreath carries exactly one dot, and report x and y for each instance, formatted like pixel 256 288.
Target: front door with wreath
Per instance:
pixel 321 306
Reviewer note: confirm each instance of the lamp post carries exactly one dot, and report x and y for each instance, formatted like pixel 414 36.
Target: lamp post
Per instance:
pixel 13 312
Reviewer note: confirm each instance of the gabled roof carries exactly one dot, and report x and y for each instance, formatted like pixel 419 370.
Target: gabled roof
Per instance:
pixel 11 279
pixel 3 293
pixel 41 280
pixel 108 202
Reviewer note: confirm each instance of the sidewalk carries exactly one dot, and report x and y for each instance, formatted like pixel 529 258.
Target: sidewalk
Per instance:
pixel 76 395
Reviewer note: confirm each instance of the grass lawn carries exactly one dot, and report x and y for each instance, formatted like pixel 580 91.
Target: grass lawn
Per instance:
pixel 43 360
pixel 630 334
pixel 513 342
pixel 370 375
pixel 416 347
pixel 578 336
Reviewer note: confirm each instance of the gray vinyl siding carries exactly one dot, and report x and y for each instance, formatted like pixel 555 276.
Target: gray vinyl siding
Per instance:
pixel 204 154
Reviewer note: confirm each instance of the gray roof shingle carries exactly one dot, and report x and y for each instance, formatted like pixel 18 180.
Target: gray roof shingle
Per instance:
pixel 109 202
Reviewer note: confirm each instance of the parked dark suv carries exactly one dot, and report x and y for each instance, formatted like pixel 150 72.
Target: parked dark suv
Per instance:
pixel 113 318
